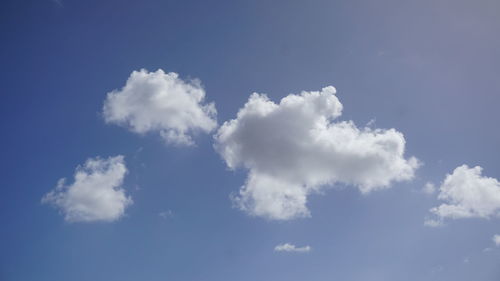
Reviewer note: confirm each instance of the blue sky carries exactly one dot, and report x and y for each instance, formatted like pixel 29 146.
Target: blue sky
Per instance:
pixel 428 69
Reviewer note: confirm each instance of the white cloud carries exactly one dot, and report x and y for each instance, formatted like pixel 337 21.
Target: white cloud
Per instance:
pixel 293 149
pixel 429 188
pixel 291 248
pixel 496 240
pixel 433 222
pixel 468 194
pixel 163 103
pixel 96 193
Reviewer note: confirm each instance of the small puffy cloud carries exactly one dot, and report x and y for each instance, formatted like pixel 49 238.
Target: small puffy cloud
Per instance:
pixel 429 188
pixel 496 240
pixel 96 193
pixel 163 103
pixel 291 248
pixel 468 194
pixel 293 148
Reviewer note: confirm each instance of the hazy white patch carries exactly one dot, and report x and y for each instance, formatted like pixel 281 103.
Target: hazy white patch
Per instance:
pixel 96 193
pixel 58 2
pixel 429 188
pixel 437 269
pixel 163 103
pixel 466 260
pixel 486 250
pixel 293 148
pixel 468 194
pixel 168 214
pixel 433 222
pixel 291 248
pixel 496 239
pixel 371 123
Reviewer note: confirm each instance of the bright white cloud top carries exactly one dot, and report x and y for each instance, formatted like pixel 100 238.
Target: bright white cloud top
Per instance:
pixel 291 248
pixel 96 193
pixel 468 194
pixel 163 103
pixel 294 148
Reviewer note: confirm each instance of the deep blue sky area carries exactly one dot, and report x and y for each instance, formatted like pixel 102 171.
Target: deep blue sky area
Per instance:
pixel 428 68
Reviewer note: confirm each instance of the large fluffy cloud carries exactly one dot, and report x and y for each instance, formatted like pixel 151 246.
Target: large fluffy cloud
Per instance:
pixel 294 148
pixel 95 194
pixel 161 102
pixel 467 194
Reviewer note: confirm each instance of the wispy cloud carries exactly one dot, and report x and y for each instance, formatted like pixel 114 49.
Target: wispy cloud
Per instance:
pixel 433 222
pixel 429 188
pixel 496 239
pixel 168 214
pixel 57 2
pixel 291 248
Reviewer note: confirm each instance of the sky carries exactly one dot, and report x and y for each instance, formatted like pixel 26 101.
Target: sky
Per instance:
pixel 250 140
